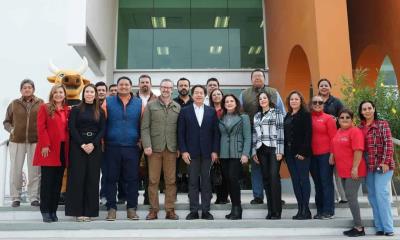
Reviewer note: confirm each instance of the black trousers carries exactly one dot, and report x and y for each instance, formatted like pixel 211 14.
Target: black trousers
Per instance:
pixel 199 178
pixel 50 185
pixel 83 182
pixel 231 171
pixel 271 178
pixel 222 190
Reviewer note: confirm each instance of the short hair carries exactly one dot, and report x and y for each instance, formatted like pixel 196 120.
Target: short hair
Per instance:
pixel 112 85
pixel 271 104
pixel 144 76
pixel 362 118
pixel 324 80
pixel 167 80
pixel 257 70
pixel 27 81
pixel 182 79
pixel 198 86
pixel 302 101
pixel 237 108
pixel 213 79
pixel 124 78
pixel 101 83
pixel 348 111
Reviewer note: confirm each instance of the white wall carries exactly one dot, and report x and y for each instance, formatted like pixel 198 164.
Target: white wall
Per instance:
pixel 32 32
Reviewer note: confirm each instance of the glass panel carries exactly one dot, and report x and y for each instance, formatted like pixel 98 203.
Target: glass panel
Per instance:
pixel 184 34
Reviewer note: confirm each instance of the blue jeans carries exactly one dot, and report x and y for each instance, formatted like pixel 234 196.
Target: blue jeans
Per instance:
pixel 123 160
pixel 322 174
pixel 257 180
pixel 299 172
pixel 379 197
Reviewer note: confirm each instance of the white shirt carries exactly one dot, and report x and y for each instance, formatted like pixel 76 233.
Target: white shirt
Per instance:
pixel 199 111
pixel 207 100
pixel 145 99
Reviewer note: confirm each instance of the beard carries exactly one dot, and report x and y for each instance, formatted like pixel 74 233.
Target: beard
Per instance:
pixel 144 89
pixel 183 92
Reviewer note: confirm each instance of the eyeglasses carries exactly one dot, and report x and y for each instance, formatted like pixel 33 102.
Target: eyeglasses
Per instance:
pixel 345 117
pixel 166 87
pixel 317 102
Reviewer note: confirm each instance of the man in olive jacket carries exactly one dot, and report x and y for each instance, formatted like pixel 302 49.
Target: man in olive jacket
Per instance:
pixel 159 139
pixel 20 122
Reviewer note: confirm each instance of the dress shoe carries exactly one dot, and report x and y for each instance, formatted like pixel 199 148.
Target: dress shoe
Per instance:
pixel 35 203
pixel 207 216
pixel 257 201
pixel 15 204
pixel 111 215
pixel 268 216
pixel 171 215
pixel 222 201
pixel 275 216
pixel 131 214
pixel 354 232
pixel 304 214
pixel 380 233
pixel 343 201
pixel 54 217
pixel 152 215
pixel 46 217
pixel 389 234
pixel 299 211
pixel 192 216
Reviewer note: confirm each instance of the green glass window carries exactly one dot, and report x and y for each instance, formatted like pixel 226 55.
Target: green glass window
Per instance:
pixel 190 34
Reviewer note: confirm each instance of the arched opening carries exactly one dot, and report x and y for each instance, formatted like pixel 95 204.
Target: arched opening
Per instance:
pixel 371 58
pixel 388 72
pixel 298 75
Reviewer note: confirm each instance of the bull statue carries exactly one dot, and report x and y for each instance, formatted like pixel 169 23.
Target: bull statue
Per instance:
pixel 73 80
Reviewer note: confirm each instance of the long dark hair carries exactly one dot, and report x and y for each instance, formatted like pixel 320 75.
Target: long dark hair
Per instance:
pixel 96 104
pixel 303 105
pixel 224 110
pixel 362 118
pixel 212 104
pixel 271 104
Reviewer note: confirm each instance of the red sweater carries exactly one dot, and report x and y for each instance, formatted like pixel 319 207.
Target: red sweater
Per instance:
pixel 323 131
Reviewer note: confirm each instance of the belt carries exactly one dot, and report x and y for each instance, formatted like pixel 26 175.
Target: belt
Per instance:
pixel 88 134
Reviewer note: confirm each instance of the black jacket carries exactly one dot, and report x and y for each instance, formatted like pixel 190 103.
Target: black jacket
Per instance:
pixel 298 131
pixel 333 106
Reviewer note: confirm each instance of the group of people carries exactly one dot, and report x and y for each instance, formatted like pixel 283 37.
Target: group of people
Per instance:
pixel 109 134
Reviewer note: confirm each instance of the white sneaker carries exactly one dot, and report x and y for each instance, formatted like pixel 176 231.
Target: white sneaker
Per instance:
pixel 103 201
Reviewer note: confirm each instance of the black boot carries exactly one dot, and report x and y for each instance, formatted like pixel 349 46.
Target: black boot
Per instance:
pixel 236 213
pixel 54 217
pixel 298 214
pixel 305 213
pixel 46 217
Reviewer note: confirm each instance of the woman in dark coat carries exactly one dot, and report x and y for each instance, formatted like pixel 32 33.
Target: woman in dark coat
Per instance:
pixel 87 127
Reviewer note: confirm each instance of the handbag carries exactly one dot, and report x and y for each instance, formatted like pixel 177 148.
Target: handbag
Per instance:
pixel 216 174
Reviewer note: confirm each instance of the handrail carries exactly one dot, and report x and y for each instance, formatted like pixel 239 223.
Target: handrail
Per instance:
pixel 396 202
pixel 3 171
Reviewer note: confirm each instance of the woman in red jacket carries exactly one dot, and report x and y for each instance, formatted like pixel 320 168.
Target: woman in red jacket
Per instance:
pixel 323 131
pixel 347 151
pixel 52 150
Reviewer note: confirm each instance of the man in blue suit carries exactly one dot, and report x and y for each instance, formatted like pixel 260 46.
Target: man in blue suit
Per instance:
pixel 198 138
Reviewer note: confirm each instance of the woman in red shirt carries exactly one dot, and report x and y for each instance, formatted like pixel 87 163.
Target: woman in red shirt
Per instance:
pixel 51 151
pixel 323 131
pixel 347 151
pixel 379 156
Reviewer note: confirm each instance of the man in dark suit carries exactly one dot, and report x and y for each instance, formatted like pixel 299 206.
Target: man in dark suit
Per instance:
pixel 198 138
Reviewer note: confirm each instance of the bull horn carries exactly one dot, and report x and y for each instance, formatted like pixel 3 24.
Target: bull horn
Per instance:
pixel 53 68
pixel 83 67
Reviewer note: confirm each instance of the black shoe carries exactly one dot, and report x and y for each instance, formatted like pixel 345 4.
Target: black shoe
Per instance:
pixel 389 234
pixel 192 216
pixel 221 201
pixel 47 218
pixel 343 201
pixel 299 211
pixel 268 216
pixel 53 217
pixel 317 216
pixel 354 232
pixel 15 204
pixel 275 216
pixel 379 233
pixel 61 201
pixel 228 216
pixel 207 216
pixel 257 201
pixel 236 213
pixel 35 203
pixel 304 214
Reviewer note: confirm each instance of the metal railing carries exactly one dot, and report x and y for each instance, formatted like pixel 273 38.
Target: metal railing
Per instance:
pixel 3 171
pixel 396 142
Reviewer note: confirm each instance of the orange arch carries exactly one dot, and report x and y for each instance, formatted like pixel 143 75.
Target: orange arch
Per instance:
pixel 371 58
pixel 298 75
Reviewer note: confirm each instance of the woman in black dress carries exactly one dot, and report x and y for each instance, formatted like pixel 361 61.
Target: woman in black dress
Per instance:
pixel 87 127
